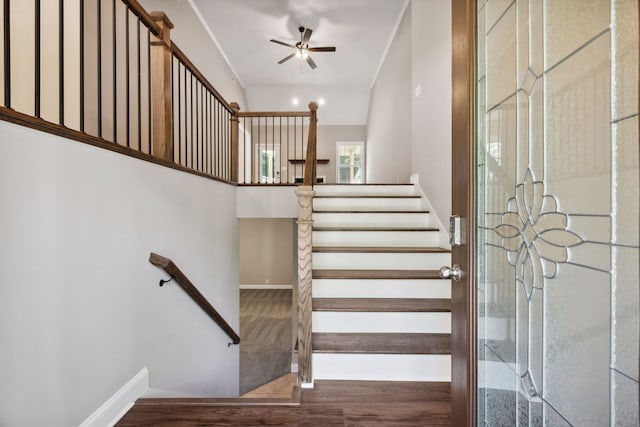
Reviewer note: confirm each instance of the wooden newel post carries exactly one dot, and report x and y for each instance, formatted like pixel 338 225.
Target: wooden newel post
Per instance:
pixel 305 275
pixel 235 132
pixel 310 163
pixel 162 138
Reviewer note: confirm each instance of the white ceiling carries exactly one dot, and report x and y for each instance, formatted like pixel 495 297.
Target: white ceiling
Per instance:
pixel 361 30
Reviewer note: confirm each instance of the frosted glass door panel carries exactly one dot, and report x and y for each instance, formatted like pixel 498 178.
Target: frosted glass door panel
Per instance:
pixel 558 237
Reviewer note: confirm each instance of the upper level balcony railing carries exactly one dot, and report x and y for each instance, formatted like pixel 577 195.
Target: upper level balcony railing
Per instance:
pixel 106 72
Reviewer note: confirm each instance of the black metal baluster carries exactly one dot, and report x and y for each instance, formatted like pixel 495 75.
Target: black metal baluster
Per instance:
pixel 192 128
pixel 179 113
pixel 209 145
pixel 81 65
pixel 61 63
pixel 149 88
pixel 186 125
pixel 197 126
pixel 227 123
pixel 251 149
pixel 7 54
pixel 205 130
pixel 203 151
pixel 115 73
pixel 99 27
pixel 36 107
pixel 210 117
pixel 139 72
pixel 280 157
pixel 241 166
pixel 227 153
pixel 173 112
pixel 127 75
pixel 217 120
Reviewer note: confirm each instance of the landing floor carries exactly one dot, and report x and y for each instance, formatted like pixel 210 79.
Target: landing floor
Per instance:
pixel 330 403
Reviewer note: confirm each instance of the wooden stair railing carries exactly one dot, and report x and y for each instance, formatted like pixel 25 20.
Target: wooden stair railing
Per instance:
pixel 181 279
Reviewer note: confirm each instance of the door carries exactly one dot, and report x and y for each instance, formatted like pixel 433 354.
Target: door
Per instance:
pixel 545 149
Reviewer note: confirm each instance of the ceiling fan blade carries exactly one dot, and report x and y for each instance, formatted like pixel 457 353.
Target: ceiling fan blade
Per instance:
pixel 323 49
pixel 307 36
pixel 282 43
pixel 286 58
pixel 311 63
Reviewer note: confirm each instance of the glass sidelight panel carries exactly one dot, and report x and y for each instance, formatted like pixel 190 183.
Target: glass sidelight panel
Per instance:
pixel 557 212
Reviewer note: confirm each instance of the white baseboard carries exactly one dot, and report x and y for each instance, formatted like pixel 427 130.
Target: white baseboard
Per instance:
pixel 307 385
pixel 117 405
pixel 265 286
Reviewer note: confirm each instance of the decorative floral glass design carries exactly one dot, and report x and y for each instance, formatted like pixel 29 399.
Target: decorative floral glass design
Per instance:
pixel 535 234
pixel 536 237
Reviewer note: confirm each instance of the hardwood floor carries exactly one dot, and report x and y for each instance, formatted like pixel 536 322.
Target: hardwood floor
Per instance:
pixel 330 403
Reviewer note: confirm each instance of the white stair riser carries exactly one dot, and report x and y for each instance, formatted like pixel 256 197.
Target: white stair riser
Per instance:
pixel 407 220
pixel 381 367
pixel 339 321
pixel 381 261
pixel 375 238
pixel 364 190
pixel 367 204
pixel 376 288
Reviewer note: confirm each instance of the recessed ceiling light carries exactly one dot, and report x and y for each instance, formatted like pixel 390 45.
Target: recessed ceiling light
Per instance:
pixel 321 101
pixel 295 101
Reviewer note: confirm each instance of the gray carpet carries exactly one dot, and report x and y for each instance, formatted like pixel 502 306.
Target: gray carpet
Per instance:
pixel 265 328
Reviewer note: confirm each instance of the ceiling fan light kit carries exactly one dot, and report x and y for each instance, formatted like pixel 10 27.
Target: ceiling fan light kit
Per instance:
pixel 302 48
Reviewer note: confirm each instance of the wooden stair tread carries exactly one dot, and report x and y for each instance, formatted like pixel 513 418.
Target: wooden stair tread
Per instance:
pixel 382 304
pixel 376 274
pixel 385 392
pixel 381 343
pixel 381 249
pixel 369 228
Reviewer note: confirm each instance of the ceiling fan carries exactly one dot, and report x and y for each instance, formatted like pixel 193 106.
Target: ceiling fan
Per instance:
pixel 302 48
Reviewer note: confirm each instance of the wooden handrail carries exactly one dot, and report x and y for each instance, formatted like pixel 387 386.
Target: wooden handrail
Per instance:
pixel 310 161
pixel 184 282
pixel 274 114
pixel 144 16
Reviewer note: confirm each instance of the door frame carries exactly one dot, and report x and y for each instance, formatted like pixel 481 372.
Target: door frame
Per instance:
pixel 463 204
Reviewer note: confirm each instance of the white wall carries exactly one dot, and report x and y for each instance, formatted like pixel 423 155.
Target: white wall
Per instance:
pixel 409 127
pixel 431 110
pixel 80 308
pixel 388 148
pixel 327 138
pixel 192 38
pixel 268 251
pixel 267 202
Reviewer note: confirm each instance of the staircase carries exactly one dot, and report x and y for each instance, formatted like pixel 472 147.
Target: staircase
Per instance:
pixel 380 310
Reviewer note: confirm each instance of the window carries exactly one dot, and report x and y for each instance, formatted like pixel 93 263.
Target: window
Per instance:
pixel 268 159
pixel 350 159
